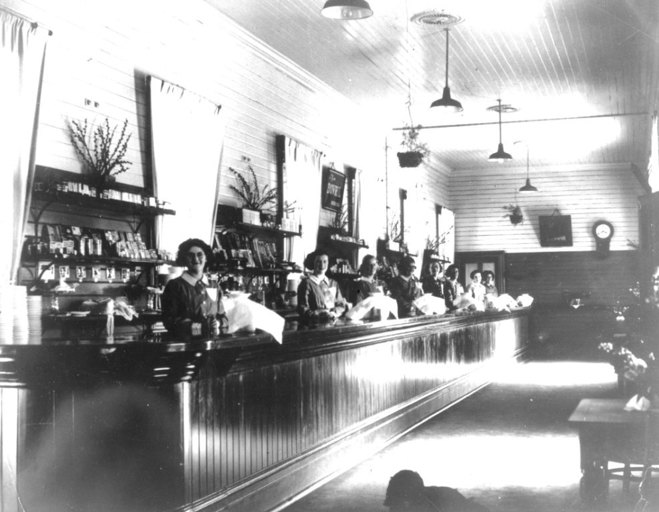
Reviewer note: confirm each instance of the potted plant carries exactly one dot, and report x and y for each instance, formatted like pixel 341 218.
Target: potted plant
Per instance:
pixel 253 196
pixel 514 214
pixel 415 150
pixel 102 154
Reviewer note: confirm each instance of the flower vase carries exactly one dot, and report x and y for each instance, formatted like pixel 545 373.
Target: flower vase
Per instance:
pixel 103 182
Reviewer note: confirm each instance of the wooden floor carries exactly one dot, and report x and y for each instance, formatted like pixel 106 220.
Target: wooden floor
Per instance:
pixel 509 447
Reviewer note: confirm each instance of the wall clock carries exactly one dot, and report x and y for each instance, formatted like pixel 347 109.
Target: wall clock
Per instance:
pixel 602 231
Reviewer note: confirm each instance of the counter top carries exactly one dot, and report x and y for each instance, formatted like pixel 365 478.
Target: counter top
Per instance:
pixel 159 359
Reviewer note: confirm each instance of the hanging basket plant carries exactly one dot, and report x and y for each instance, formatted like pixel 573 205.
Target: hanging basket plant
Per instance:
pixel 514 214
pixel 102 150
pixel 414 150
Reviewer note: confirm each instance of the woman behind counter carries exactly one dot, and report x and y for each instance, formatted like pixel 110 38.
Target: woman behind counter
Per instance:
pixel 453 290
pixel 433 281
pixel 319 298
pixel 405 288
pixel 366 284
pixel 189 304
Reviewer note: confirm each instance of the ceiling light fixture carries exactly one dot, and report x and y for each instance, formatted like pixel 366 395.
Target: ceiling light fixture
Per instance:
pixel 527 187
pixel 500 155
pixel 346 9
pixel 446 101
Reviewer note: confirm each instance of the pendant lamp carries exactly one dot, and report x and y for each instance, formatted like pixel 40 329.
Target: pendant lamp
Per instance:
pixel 500 155
pixel 527 187
pixel 346 9
pixel 446 101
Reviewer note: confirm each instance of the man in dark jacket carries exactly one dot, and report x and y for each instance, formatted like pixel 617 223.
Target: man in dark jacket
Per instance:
pixel 407 492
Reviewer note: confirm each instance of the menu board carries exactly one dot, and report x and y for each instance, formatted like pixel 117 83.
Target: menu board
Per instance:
pixel 332 189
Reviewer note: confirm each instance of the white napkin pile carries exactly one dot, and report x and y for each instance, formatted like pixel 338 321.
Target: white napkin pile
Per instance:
pixel 428 304
pixel 243 313
pixel 385 304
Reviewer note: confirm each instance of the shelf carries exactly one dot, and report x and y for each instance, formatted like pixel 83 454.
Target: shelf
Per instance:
pixel 90 260
pixel 69 199
pixel 255 229
pixel 250 270
pixel 348 243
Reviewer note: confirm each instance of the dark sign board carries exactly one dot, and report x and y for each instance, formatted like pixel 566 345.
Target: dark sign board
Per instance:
pixel 332 190
pixel 555 230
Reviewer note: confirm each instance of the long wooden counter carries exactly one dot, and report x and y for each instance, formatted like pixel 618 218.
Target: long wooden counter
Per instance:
pixel 239 422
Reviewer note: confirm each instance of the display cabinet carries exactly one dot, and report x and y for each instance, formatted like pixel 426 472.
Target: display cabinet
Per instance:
pixel 250 257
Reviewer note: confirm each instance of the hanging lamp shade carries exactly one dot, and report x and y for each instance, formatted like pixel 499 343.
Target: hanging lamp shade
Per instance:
pixel 528 187
pixel 499 155
pixel 346 9
pixel 446 101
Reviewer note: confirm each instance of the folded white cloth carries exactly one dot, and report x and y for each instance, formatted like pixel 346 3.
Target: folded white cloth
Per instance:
pixel 503 302
pixel 385 304
pixel 637 403
pixel 430 305
pixel 524 300
pixel 243 313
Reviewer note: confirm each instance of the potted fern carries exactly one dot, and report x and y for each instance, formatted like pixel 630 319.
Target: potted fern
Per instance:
pixel 253 196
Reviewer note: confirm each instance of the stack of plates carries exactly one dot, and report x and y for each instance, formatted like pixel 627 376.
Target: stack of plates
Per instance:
pixel 34 312
pixel 6 315
pixel 21 324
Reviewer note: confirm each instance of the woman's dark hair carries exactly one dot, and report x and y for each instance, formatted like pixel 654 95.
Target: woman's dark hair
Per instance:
pixel 365 259
pixel 430 263
pixel 452 271
pixel 184 247
pixel 487 273
pixel 311 257
pixel 474 272
pixel 406 262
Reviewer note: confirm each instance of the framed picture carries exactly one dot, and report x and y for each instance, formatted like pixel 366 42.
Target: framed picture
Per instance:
pixel 332 189
pixel 555 230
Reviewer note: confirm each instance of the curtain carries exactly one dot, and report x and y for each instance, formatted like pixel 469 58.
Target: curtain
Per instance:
pixel 187 139
pixel 653 163
pixel 357 197
pixel 22 54
pixel 301 187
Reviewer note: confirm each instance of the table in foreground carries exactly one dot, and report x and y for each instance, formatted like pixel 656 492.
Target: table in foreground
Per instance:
pixel 607 432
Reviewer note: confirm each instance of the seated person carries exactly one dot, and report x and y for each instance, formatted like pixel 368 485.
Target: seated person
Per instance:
pixel 407 492
pixel 475 288
pixel 453 290
pixel 490 284
pixel 189 305
pixel 405 288
pixel 366 284
pixel 433 281
pixel 319 298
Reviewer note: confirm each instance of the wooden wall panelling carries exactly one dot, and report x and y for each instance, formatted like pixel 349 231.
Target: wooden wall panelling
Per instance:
pixel 586 193
pixel 93 54
pixel 287 409
pixel 545 276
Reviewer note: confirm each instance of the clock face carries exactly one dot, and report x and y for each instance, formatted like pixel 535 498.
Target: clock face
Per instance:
pixel 603 230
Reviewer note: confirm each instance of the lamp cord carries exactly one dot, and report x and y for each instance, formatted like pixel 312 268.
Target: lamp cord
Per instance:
pixel 447 38
pixel 500 138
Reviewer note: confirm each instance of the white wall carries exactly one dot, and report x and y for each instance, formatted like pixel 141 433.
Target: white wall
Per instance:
pixel 585 193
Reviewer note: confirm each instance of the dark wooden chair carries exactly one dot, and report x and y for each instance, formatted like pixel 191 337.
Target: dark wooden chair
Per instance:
pixel 634 453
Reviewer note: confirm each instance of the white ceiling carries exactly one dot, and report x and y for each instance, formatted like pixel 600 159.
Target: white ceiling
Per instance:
pixel 594 60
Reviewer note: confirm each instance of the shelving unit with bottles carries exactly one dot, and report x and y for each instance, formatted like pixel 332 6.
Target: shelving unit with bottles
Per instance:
pixel 93 247
pixel 248 257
